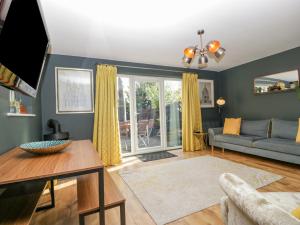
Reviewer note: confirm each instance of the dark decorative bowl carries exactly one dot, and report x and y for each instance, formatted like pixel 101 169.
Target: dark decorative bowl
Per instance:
pixel 45 147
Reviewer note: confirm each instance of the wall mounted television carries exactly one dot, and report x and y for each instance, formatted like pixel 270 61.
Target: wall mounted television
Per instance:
pixel 23 45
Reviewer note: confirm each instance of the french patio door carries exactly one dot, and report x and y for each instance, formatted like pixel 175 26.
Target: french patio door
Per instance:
pixel 149 114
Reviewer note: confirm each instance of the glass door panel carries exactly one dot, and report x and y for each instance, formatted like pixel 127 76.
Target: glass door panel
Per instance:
pixel 149 114
pixel 124 101
pixel 172 99
pixel 147 110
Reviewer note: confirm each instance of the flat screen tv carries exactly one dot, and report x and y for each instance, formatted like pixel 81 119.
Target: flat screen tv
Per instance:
pixel 23 45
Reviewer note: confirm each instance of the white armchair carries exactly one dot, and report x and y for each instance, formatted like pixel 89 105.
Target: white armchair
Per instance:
pixel 243 205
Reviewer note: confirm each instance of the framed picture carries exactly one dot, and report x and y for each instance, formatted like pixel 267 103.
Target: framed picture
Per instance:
pixel 74 90
pixel 206 93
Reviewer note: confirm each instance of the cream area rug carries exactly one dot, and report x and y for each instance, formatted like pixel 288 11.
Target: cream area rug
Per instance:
pixel 176 189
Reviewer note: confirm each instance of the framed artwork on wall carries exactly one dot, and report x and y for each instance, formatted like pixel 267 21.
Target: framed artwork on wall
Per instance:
pixel 206 93
pixel 74 90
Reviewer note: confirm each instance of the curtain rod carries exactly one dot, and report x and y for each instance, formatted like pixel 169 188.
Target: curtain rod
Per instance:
pixel 144 68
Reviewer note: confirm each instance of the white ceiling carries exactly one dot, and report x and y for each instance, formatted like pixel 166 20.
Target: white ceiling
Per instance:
pixel 157 31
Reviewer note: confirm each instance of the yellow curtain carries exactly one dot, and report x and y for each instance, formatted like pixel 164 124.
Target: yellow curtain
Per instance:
pixel 106 125
pixel 2 69
pixel 191 113
pixel 6 76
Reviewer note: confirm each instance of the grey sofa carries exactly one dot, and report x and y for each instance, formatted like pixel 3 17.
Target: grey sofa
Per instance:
pixel 275 139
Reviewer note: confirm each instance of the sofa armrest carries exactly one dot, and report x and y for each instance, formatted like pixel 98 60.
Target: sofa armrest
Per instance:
pixel 212 132
pixel 248 206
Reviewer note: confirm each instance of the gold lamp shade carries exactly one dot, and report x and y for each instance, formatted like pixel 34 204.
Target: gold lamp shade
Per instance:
pixel 213 46
pixel 221 101
pixel 189 54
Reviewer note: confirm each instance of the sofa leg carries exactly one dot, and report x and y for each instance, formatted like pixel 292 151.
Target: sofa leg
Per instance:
pixel 212 149
pixel 223 150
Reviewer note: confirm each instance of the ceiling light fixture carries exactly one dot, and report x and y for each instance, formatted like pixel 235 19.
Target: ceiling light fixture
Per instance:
pixel 213 48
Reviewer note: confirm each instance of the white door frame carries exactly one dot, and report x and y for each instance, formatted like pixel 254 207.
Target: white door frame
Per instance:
pixel 133 118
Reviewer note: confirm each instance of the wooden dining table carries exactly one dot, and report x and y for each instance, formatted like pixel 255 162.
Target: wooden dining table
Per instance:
pixel 79 158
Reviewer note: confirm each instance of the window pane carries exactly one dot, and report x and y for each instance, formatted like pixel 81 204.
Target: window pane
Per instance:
pixel 147 114
pixel 124 114
pixel 173 112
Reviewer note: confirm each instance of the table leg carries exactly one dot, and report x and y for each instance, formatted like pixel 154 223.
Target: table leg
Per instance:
pixel 122 214
pixel 52 195
pixel 101 197
pixel 81 220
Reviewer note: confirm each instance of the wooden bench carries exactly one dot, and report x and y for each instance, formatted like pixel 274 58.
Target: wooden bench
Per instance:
pixel 19 202
pixel 88 200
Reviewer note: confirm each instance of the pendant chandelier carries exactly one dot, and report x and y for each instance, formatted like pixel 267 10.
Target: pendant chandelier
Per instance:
pixel 213 48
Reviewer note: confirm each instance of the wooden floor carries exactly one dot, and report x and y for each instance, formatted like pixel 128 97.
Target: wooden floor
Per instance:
pixel 65 211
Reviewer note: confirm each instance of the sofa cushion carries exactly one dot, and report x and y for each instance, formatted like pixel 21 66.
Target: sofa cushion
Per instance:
pixel 255 127
pixel 232 126
pixel 296 213
pixel 284 129
pixel 279 145
pixel 244 140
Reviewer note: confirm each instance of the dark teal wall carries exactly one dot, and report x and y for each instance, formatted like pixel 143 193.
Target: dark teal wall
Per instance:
pixel 235 84
pixel 17 130
pixel 237 88
pixel 80 125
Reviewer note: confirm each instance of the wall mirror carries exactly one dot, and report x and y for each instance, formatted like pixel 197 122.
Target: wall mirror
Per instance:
pixel 277 82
